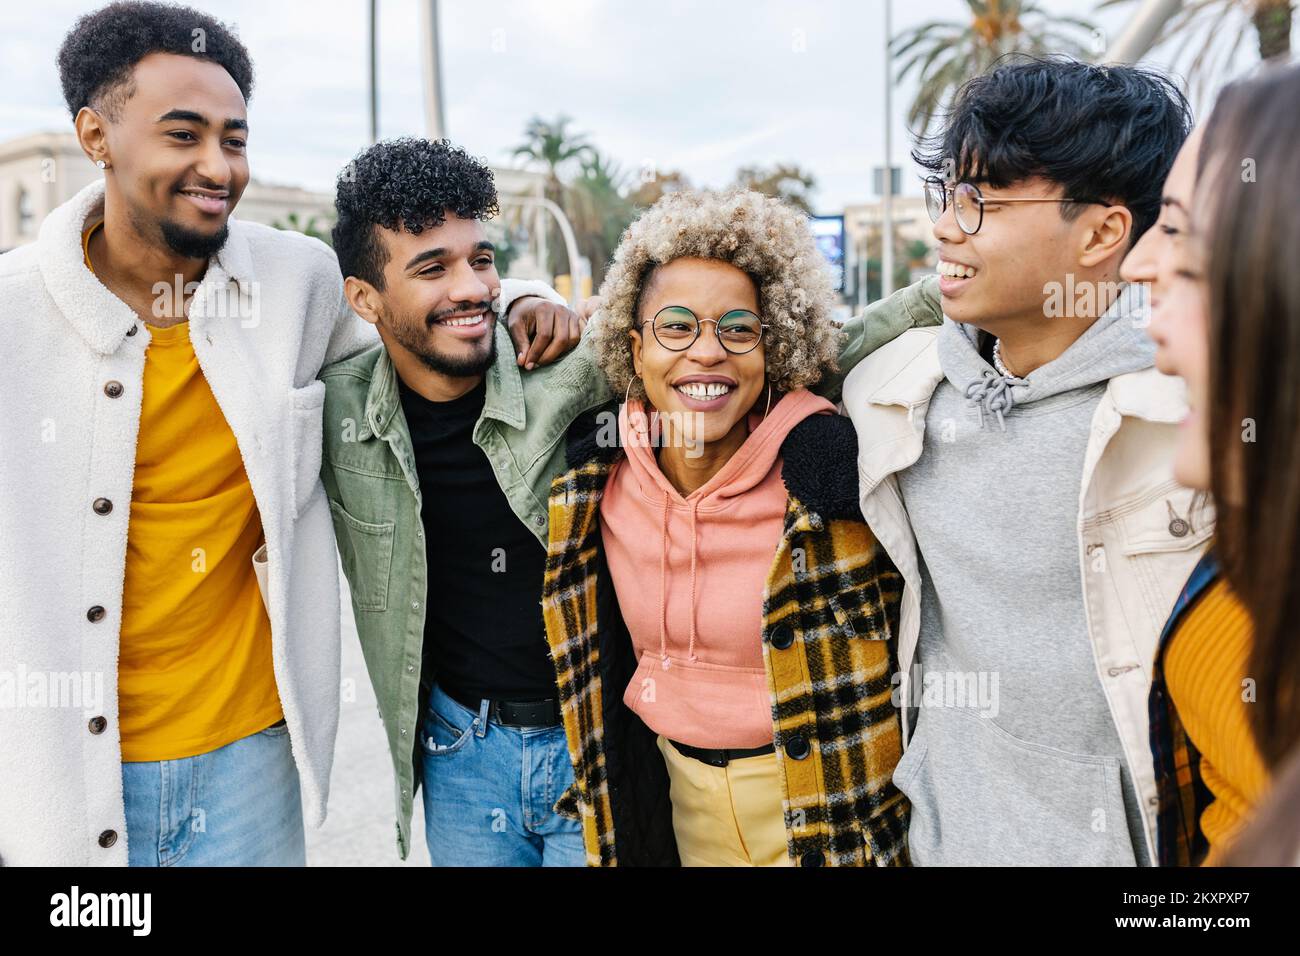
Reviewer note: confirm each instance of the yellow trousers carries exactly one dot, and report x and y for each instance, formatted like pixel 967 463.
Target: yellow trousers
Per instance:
pixel 726 816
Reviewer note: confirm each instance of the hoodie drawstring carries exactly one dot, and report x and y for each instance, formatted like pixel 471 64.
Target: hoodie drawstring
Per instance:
pixel 992 393
pixel 663 584
pixel 663 589
pixel 690 648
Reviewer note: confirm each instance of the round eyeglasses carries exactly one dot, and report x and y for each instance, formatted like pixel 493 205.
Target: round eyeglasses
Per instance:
pixel 676 328
pixel 968 203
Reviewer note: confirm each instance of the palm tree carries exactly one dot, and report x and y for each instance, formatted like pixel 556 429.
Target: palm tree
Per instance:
pixel 600 208
pixel 1217 28
pixel 554 147
pixel 551 145
pixel 946 53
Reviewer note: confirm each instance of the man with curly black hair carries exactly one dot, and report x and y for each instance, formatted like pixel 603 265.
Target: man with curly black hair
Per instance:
pixel 175 548
pixel 446 563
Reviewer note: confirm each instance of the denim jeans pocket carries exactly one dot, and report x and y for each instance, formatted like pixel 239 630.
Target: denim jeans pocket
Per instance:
pixel 440 736
pixel 276 730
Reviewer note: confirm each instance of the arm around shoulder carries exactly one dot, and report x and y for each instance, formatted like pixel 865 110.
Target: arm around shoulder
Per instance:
pixel 915 306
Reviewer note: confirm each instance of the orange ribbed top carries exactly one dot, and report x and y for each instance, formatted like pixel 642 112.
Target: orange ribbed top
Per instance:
pixel 1206 670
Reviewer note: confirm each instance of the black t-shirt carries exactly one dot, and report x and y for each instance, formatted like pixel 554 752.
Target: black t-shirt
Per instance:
pixel 483 630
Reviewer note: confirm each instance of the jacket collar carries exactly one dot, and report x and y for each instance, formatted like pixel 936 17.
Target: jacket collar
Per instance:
pixel 100 317
pixel 504 401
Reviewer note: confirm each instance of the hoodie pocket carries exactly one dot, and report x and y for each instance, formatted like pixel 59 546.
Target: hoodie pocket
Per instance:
pixel 982 797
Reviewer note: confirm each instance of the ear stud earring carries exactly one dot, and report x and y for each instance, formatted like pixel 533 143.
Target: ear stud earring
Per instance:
pixel 102 164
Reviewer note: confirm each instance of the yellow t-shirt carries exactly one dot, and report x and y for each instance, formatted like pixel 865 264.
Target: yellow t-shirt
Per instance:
pixel 1205 665
pixel 194 664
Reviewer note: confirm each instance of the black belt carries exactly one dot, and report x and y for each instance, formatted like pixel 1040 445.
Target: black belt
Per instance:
pixel 513 713
pixel 720 758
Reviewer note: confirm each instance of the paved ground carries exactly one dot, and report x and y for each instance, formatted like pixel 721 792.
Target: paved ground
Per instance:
pixel 360 829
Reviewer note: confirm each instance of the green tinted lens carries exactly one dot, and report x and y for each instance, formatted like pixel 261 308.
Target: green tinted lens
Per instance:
pixel 675 325
pixel 739 329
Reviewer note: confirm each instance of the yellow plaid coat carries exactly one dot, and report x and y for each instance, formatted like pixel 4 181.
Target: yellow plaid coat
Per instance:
pixel 829 612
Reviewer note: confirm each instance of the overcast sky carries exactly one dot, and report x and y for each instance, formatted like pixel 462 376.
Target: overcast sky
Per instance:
pixel 704 86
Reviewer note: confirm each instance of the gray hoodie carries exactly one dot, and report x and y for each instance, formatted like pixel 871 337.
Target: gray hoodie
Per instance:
pixel 1015 758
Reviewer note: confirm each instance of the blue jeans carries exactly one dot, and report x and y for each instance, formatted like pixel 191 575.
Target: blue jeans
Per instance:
pixel 488 790
pixel 238 805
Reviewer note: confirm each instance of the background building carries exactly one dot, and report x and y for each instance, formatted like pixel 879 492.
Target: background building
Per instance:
pixel 41 171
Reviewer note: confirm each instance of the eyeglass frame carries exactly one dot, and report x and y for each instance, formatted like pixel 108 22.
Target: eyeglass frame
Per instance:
pixel 699 329
pixel 945 189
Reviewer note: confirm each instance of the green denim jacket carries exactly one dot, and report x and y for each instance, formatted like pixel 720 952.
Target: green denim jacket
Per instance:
pixel 374 492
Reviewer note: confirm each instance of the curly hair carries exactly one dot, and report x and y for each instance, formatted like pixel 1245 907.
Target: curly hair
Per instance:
pixel 409 184
pixel 765 238
pixel 100 51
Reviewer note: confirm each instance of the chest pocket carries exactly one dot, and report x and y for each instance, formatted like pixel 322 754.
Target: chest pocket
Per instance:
pixel 1161 541
pixel 366 551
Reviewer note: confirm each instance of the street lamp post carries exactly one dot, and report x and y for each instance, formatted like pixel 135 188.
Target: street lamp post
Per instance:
pixel 887 204
pixel 431 61
pixel 373 53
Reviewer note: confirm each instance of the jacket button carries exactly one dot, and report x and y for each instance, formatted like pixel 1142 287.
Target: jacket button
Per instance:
pixel 97 725
pixel 95 613
pixel 1179 528
pixel 797 747
pixel 102 506
pixel 811 858
pixel 107 838
pixel 113 389
pixel 782 637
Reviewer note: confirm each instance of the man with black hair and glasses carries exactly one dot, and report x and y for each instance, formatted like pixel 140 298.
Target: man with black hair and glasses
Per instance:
pixel 1016 466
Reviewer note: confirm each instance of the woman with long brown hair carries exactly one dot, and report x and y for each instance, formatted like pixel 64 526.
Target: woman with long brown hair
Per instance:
pixel 1251 167
pixel 1226 317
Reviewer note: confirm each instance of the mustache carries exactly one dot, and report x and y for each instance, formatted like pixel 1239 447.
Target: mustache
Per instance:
pixel 461 308
pixel 209 186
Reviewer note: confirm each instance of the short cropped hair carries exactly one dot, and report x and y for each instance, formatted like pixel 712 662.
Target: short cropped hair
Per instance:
pixel 101 50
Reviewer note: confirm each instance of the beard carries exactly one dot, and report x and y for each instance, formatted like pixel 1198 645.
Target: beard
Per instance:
pixel 190 244
pixel 184 242
pixel 413 335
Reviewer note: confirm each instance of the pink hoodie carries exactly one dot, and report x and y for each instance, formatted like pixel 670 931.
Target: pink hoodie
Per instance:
pixel 697 623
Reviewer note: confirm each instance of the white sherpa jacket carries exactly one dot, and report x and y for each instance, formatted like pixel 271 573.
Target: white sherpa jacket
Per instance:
pixel 268 315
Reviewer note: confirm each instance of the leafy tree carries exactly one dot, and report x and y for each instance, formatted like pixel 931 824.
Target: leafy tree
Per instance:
pixel 1216 29
pixel 946 53
pixel 783 181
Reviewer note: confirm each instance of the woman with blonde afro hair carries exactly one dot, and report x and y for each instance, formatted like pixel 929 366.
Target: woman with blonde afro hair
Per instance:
pixel 709 576
pixel 763 237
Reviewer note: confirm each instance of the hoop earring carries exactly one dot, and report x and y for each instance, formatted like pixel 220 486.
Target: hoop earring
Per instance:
pixel 769 398
pixel 628 393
